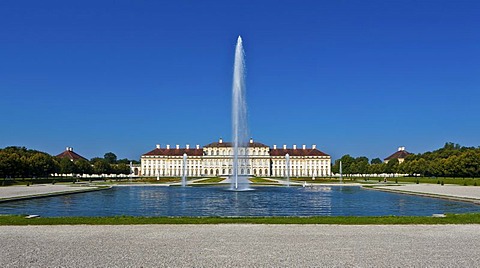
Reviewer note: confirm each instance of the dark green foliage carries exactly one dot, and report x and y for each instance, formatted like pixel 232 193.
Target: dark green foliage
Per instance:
pixel 20 162
pixel 16 162
pixel 452 160
pixel 110 157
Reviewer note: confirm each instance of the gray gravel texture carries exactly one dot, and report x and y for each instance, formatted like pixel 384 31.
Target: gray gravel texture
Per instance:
pixel 38 189
pixel 240 245
pixel 470 192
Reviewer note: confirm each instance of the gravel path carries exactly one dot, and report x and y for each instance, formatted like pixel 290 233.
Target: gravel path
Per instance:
pixel 470 192
pixel 240 245
pixel 37 189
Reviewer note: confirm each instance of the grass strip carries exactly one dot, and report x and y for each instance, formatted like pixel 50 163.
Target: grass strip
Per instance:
pixel 343 220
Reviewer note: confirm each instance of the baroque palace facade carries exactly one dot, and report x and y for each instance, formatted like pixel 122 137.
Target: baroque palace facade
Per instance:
pixel 216 159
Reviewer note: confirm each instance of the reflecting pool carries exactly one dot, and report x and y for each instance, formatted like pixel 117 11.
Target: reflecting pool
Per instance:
pixel 219 201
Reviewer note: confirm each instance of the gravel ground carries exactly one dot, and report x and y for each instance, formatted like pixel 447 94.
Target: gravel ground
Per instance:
pixel 471 192
pixel 37 189
pixel 240 245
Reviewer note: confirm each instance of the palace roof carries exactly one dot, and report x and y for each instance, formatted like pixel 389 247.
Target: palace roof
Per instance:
pixel 398 154
pixel 70 154
pixel 229 144
pixel 297 152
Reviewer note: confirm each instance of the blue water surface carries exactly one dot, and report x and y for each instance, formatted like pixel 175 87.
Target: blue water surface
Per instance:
pixel 219 201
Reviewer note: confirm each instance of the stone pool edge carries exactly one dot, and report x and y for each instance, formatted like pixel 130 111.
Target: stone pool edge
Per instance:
pixel 439 196
pixel 51 194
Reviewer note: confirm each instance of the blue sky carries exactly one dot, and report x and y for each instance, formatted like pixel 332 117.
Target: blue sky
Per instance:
pixel 356 77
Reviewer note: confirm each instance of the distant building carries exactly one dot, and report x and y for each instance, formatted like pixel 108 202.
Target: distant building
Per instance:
pixel 216 159
pixel 400 154
pixel 71 155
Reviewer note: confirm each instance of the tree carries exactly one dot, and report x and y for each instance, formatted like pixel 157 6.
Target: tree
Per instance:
pixel 376 161
pixel 84 167
pixel 66 166
pixel 121 169
pixel 110 157
pixel 41 164
pixel 391 166
pixel 102 167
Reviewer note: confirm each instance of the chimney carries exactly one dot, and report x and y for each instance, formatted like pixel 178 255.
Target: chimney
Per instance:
pixel 251 140
pixel 284 147
pixel 294 147
pixel 197 146
pixel 177 146
pixel 67 148
pixel 401 148
pixel 304 146
pixel 314 146
pixel 168 146
pixel 70 149
pixel 220 140
pixel 187 146
pixel 274 147
pixel 158 146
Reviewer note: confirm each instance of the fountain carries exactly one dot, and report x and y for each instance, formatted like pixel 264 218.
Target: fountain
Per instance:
pixel 341 179
pixel 240 167
pixel 131 171
pixel 287 169
pixel 184 176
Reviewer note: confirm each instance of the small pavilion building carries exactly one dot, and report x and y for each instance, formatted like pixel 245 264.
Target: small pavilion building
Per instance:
pixel 71 155
pixel 400 154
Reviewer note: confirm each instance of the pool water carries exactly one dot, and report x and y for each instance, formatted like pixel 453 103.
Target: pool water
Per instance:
pixel 219 201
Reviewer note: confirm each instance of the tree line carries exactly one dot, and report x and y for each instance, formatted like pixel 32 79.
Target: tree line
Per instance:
pixel 452 160
pixel 20 162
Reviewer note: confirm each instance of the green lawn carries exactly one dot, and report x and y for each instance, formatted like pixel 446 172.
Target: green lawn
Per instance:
pixel 262 180
pixel 211 180
pixel 126 220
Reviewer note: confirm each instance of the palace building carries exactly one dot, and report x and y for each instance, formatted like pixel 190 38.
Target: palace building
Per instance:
pixel 216 159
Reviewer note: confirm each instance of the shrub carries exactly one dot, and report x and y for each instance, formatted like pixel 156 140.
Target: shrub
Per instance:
pixel 465 183
pixel 438 182
pixel 396 180
pixel 417 182
pixel 442 183
pixel 475 184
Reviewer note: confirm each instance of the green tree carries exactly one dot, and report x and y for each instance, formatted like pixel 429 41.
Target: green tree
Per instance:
pixel 84 167
pixel 110 157
pixel 102 167
pixel 376 161
pixel 121 169
pixel 66 166
pixel 391 166
pixel 41 164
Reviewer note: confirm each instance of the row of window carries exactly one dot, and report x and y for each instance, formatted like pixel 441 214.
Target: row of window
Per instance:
pixel 240 152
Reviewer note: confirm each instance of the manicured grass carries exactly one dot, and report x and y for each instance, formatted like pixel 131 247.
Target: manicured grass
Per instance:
pixel 316 180
pixel 457 181
pixel 127 220
pixel 161 180
pixel 211 180
pixel 429 180
pixel 262 180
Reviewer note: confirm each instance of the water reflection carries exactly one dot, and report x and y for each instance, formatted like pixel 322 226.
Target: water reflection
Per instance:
pixel 218 201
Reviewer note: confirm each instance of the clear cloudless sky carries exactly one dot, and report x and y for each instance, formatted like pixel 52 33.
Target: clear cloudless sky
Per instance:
pixel 353 77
